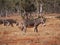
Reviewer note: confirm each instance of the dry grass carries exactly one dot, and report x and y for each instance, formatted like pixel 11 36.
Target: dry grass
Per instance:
pixel 48 35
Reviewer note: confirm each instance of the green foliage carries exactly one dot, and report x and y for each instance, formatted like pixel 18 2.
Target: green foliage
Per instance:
pixel 48 5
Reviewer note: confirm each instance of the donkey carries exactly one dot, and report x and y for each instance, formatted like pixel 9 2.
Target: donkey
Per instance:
pixel 3 21
pixel 34 23
pixel 11 22
pixel 8 22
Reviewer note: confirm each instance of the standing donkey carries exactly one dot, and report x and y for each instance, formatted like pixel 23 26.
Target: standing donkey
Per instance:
pixel 34 23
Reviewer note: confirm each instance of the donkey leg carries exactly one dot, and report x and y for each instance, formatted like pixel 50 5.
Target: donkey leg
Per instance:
pixel 22 28
pixel 11 24
pixel 35 29
pixel 25 28
pixel 43 23
pixel 17 23
pixel 4 24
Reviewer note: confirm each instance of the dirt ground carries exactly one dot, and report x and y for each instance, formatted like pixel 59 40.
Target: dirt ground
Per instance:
pixel 47 35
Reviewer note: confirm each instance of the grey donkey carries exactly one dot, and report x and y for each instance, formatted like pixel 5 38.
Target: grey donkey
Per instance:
pixel 33 23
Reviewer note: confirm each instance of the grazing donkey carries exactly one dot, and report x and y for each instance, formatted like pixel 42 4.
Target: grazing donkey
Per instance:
pixel 34 23
pixel 3 21
pixel 8 22
pixel 11 22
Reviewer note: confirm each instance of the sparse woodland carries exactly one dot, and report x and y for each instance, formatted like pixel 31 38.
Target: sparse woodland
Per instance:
pixel 21 6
